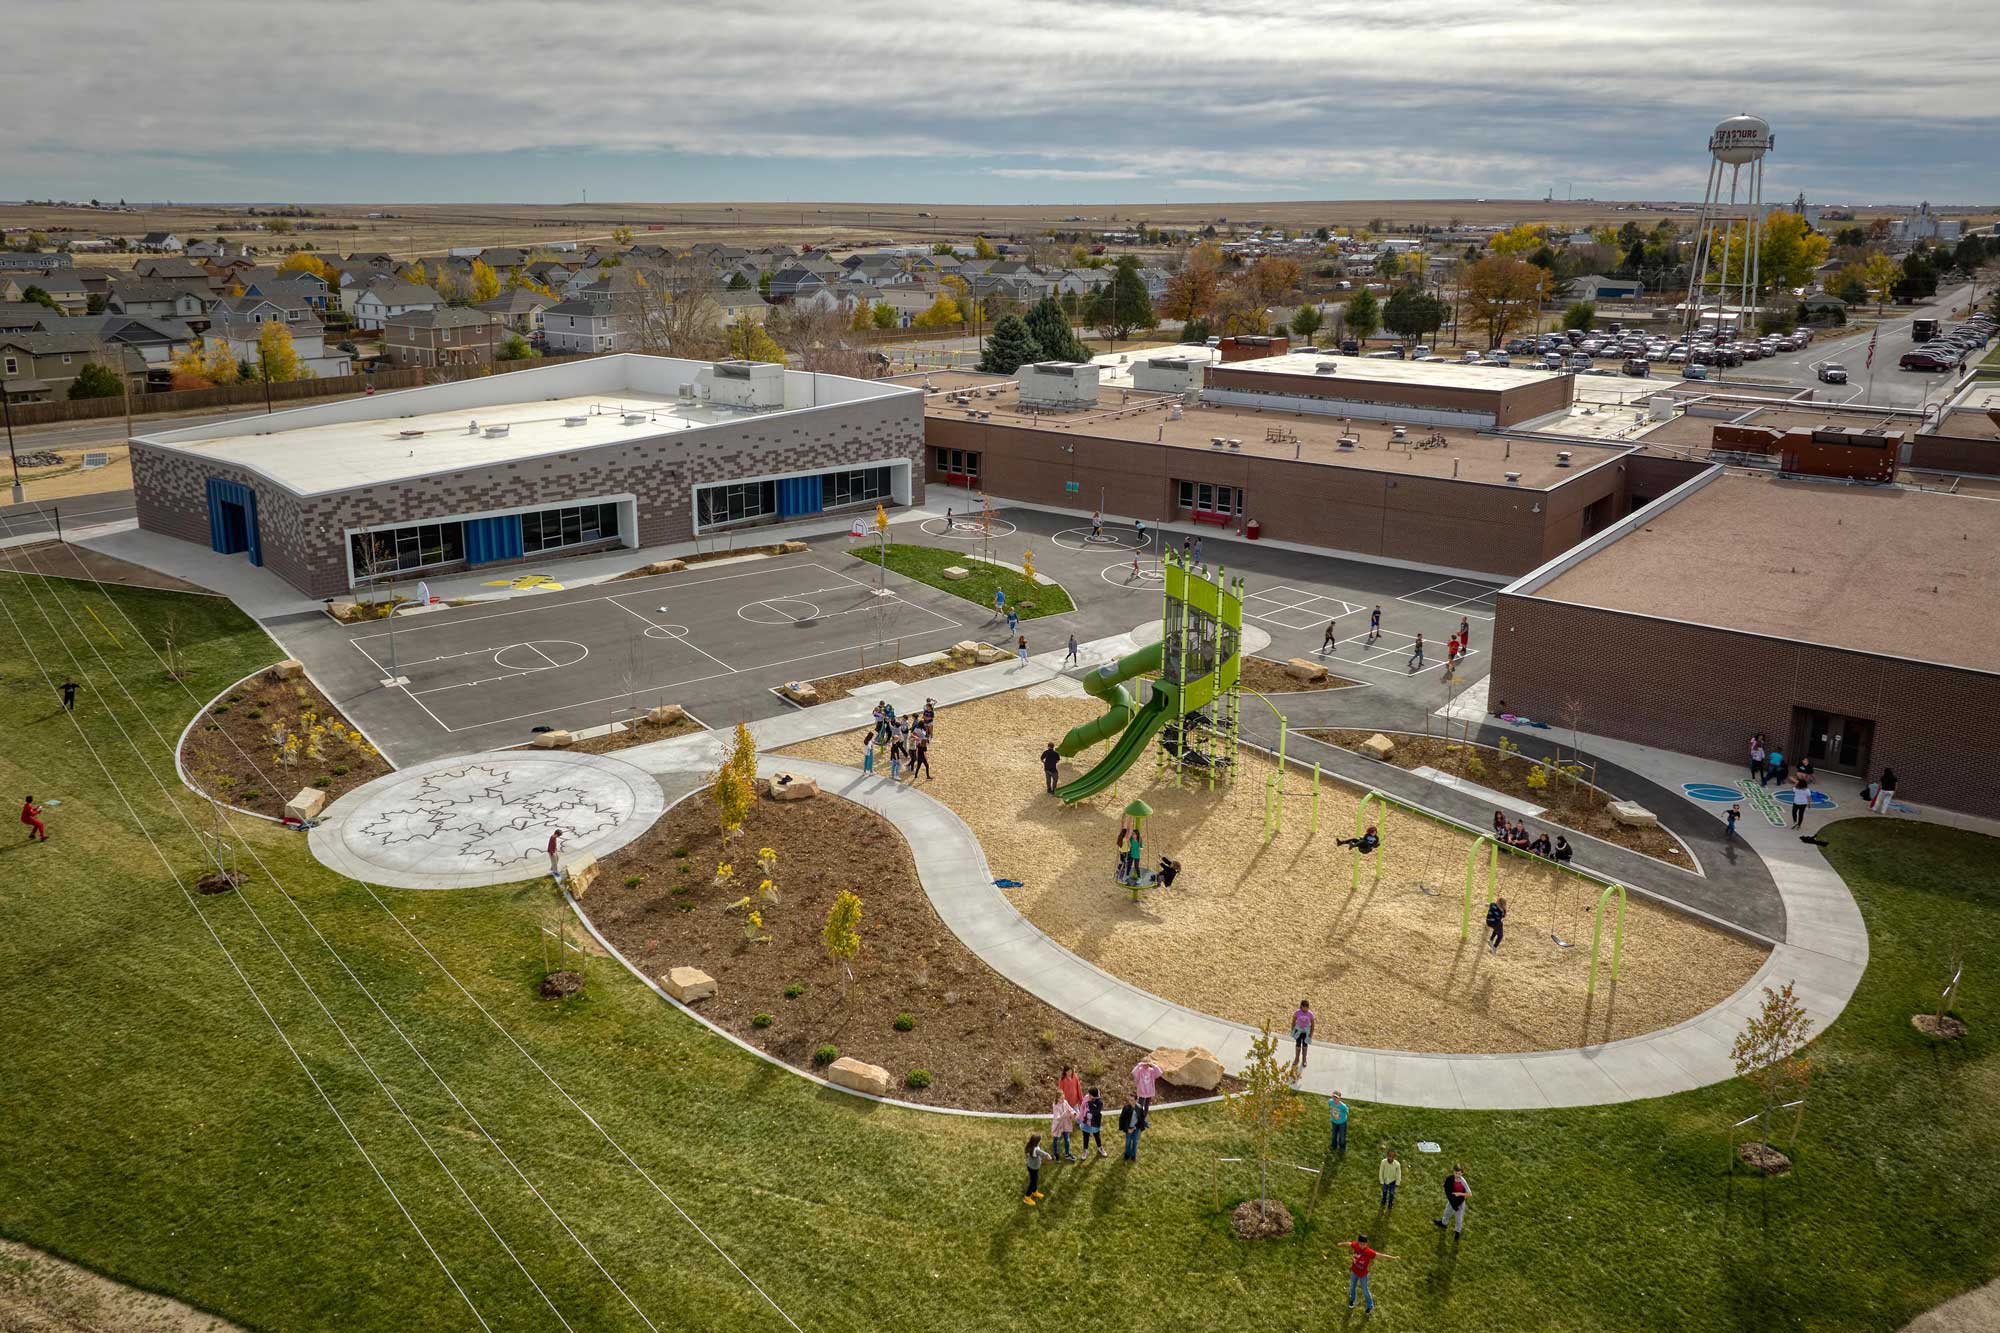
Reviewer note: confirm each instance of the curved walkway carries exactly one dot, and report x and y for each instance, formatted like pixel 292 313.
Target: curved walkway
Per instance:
pixel 1824 954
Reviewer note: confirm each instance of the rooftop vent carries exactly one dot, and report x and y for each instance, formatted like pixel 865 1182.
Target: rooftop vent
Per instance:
pixel 1513 479
pixel 1348 442
pixel 1327 367
pixel 1217 442
pixel 410 434
pixel 1562 458
pixel 1236 444
pixel 497 432
pixel 1399 432
pixel 633 418
pixel 574 421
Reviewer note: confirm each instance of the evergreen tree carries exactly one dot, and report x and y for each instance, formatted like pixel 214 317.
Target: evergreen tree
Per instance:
pixel 1195 331
pixel 1364 314
pixel 96 380
pixel 1009 347
pixel 1125 306
pixel 1049 326
pixel 1410 314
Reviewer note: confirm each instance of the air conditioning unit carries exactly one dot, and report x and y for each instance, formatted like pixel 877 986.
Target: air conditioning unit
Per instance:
pixel 575 421
pixel 752 384
pixel 1513 479
pixel 1236 444
pixel 497 432
pixel 1562 457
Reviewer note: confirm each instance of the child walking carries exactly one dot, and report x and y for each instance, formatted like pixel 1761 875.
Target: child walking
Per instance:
pixel 1036 1156
pixel 1093 1122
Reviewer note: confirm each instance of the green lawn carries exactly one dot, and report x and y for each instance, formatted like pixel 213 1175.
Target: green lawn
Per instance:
pixel 153 1127
pixel 926 564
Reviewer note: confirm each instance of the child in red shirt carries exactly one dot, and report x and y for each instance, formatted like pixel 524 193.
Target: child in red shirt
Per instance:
pixel 1357 1280
pixel 31 816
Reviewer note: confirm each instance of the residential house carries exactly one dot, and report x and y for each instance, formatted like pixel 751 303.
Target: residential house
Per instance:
pixel 156 300
pixel 38 367
pixel 1077 281
pixel 519 310
pixel 308 335
pixel 64 286
pixel 503 258
pixel 296 284
pixel 739 303
pixel 385 300
pixel 1598 287
pixel 448 336
pixel 551 272
pixel 227 270
pixel 258 308
pixel 593 325
pixel 788 284
pixel 32 259
pixel 907 302
pixel 176 269
pixel 156 342
pixel 161 242
pixel 840 296
pixel 25 316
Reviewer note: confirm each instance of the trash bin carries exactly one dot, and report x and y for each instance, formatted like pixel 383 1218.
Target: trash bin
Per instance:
pixel 1252 529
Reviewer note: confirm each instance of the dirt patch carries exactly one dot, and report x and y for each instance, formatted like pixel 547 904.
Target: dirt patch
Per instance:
pixel 986 1044
pixel 561 985
pixel 1268 677
pixel 1254 1220
pixel 218 881
pixel 830 688
pixel 1944 1029
pixel 40 1293
pixel 286 728
pixel 1763 1158
pixel 1252 926
pixel 1569 802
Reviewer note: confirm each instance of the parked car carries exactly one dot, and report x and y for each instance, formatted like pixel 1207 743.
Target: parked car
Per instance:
pixel 1833 373
pixel 1922 360
pixel 1519 346
pixel 1580 361
pixel 1498 359
pixel 1552 361
pixel 1348 347
pixel 1469 358
pixel 1638 367
pixel 1694 370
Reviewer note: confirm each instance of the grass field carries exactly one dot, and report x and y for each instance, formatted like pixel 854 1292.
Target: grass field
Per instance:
pixel 926 564
pixel 154 1127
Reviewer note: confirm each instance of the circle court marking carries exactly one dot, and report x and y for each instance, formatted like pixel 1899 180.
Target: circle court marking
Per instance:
pixel 1120 575
pixel 540 655
pixel 1114 539
pixel 778 611
pixel 965 529
pixel 667 631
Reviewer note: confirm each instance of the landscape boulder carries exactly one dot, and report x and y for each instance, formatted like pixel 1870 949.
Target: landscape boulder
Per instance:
pixel 964 649
pixel 289 669
pixel 665 715
pixel 554 740
pixel 988 654
pixel 790 548
pixel 666 567
pixel 1379 745
pixel 688 984
pixel 306 805
pixel 956 572
pixel 785 787
pixel 1301 669
pixel 1633 815
pixel 343 611
pixel 852 1073
pixel 801 692
pixel 579 873
pixel 1190 1067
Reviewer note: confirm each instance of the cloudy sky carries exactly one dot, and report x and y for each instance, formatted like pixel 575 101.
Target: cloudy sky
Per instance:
pixel 1091 101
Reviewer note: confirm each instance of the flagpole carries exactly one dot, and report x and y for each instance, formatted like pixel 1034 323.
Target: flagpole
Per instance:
pixel 1873 334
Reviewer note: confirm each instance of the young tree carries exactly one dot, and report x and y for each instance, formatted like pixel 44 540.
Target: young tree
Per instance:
pixel 842 934
pixel 1195 331
pixel 1879 274
pixel 1363 314
pixel 1412 314
pixel 1009 348
pixel 748 341
pixel 940 313
pixel 1050 328
pixel 515 348
pixel 277 360
pixel 1266 1106
pixel 485 283
pixel 1580 315
pixel 739 281
pixel 983 248
pixel 205 363
pixel 743 753
pixel 1502 294
pixel 621 236
pixel 732 797
pixel 96 380
pixel 1770 1052
pixel 882 315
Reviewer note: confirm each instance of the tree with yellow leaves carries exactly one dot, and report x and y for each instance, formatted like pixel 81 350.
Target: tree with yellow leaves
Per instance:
pixel 210 362
pixel 621 235
pixel 940 313
pixel 842 934
pixel 302 262
pixel 277 360
pixel 1523 238
pixel 983 248
pixel 732 797
pixel 485 282
pixel 749 341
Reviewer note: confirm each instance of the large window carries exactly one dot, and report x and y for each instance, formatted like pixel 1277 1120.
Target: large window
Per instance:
pixel 575 525
pixel 398 550
pixel 959 466
pixel 1202 499
pixel 735 502
pixel 858 487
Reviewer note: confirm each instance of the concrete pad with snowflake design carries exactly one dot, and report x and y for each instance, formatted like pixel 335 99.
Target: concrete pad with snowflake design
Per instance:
pixel 484 819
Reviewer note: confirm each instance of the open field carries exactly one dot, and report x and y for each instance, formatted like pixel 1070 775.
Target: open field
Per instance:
pixel 154 1128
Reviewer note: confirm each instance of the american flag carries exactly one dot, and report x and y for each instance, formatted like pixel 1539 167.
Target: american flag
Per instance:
pixel 1869 364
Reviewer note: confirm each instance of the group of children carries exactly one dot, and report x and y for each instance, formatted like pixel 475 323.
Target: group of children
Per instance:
pixel 907 739
pixel 1080 1110
pixel 1515 834
pixel 1768 766
pixel 1455 647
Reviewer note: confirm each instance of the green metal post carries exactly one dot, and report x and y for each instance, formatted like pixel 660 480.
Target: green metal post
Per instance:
pixel 1492 880
pixel 1597 936
pixel 1381 803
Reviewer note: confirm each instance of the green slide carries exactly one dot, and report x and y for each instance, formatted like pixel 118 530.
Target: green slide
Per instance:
pixel 1107 683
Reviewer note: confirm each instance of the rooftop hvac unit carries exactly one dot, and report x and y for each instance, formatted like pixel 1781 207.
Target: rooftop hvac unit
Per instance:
pixel 1399 432
pixel 633 418
pixel 472 427
pixel 1562 458
pixel 1327 367
pixel 1059 384
pixel 1174 412
pixel 1348 442
pixel 574 421
pixel 1513 479
pixel 686 392
pixel 753 384
pixel 1236 444
pixel 410 434
pixel 1660 407
pixel 1217 442
pixel 497 432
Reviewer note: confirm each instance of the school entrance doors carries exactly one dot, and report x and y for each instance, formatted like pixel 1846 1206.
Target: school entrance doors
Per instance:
pixel 232 520
pixel 1832 741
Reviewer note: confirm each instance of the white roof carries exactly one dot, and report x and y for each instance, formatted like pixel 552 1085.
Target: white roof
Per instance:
pixel 368 441
pixel 1388 370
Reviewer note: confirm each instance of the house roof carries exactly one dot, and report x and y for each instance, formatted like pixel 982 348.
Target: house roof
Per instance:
pixel 156 237
pixel 444 317
pixel 48 344
pixel 13 314
pixel 598 308
pixel 228 306
pixel 143 291
pixel 396 292
pixel 56 282
pixel 516 301
pixel 169 266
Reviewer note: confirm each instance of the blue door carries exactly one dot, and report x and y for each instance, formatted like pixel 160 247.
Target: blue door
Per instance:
pixel 232 520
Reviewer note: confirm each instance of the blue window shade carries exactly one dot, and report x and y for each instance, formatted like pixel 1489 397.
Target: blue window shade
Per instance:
pixel 489 539
pixel 799 495
pixel 232 520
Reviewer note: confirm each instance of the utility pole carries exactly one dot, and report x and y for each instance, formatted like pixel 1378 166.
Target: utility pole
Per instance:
pixel 7 411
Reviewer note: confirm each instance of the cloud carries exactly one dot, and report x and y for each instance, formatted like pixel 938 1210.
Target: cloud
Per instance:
pixel 920 99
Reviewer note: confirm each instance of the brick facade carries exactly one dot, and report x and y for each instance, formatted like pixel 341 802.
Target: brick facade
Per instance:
pixel 1429 521
pixel 1506 406
pixel 1701 690
pixel 304 537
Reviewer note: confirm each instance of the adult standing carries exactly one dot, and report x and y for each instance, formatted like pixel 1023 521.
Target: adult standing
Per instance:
pixel 1357 1281
pixel 1885 792
pixel 868 752
pixel 1021 649
pixel 1071 655
pixel 1456 1192
pixel 1757 758
pixel 1337 1111
pixel 69 695
pixel 1389 1175
pixel 1302 1034
pixel 920 755
pixel 1050 758
pixel 31 815
pixel 1801 795
pixel 555 855
pixel 1145 1082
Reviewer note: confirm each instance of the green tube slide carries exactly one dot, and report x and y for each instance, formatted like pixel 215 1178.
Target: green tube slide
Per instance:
pixel 1138 727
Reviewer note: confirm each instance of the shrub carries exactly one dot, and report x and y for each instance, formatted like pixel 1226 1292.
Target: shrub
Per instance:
pixel 340 770
pixel 323 780
pixel 905 1022
pixel 683 888
pixel 917 1078
pixel 1095 1069
pixel 220 709
pixel 1538 777
pixel 796 989
pixel 826 1054
pixel 760 1020
pixel 1047 1037
pixel 1476 767
pixel 236 698
pixel 255 713
pixel 1017 1079
pixel 632 881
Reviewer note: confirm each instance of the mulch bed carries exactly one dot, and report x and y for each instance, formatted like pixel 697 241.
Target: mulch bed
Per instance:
pixel 247 715
pixel 1944 1029
pixel 1763 1158
pixel 987 1044
pixel 1253 1220
pixel 1268 677
pixel 830 688
pixel 635 733
pixel 1569 804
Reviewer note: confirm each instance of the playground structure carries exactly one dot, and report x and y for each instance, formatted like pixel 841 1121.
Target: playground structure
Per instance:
pixel 1195 705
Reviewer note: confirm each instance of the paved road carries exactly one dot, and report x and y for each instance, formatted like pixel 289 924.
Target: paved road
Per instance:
pixel 73 511
pixel 1890 387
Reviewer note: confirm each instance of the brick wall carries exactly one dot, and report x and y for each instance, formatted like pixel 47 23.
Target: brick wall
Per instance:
pixel 1423 520
pixel 1507 406
pixel 303 537
pixel 1956 453
pixel 1700 690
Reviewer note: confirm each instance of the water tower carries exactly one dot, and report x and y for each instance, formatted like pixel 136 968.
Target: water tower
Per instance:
pixel 1725 279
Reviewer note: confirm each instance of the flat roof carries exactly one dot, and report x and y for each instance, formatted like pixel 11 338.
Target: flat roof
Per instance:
pixel 1389 370
pixel 1878 569
pixel 1312 437
pixel 1981 422
pixel 369 441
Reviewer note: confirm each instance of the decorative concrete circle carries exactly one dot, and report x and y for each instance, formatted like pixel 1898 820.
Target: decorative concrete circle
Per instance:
pixel 779 611
pixel 484 819
pixel 1112 539
pixel 1149 578
pixel 540 655
pixel 667 632
pixel 1255 640
pixel 962 529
